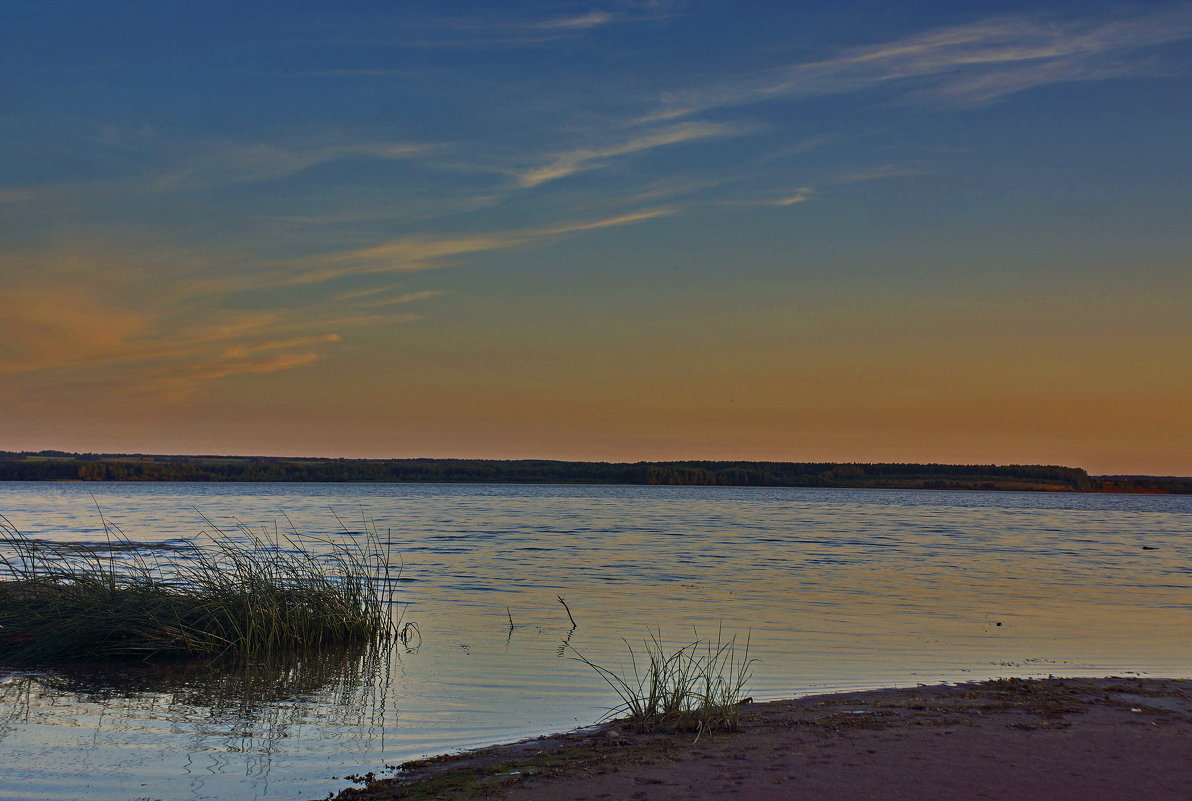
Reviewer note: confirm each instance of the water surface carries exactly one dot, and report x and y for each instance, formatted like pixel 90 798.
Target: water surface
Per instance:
pixel 835 589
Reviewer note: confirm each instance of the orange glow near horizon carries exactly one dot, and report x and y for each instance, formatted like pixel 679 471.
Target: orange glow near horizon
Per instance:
pixel 833 236
pixel 912 384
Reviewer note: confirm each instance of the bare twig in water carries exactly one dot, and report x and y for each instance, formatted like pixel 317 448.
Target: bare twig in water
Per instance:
pixel 565 606
pixel 565 643
pixel 510 615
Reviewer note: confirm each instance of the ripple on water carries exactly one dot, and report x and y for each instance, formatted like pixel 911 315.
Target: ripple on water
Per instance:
pixel 835 589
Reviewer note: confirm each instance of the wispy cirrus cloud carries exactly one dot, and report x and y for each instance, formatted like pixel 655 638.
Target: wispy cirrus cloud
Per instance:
pixel 400 255
pixel 960 65
pixel 800 195
pixel 182 382
pixel 880 173
pixel 397 300
pixel 163 166
pixel 234 164
pixel 804 194
pixel 46 329
pixel 356 72
pixel 183 376
pixel 367 292
pixel 995 84
pixel 75 318
pixel 612 13
pixel 417 253
pixel 593 19
pixel 570 162
pixel 145 355
pixel 244 351
pixel 502 26
pixel 15 195
pixel 61 327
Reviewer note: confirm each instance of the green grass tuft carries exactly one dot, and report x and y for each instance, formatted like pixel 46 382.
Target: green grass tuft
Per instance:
pixel 696 687
pixel 238 595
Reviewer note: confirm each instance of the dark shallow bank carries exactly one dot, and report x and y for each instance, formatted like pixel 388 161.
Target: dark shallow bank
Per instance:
pixel 1112 739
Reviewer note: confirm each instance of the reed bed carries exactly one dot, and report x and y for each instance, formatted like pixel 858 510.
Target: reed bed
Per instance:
pixel 696 687
pixel 240 594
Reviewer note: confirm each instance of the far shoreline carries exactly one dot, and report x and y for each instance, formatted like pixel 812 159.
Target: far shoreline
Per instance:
pixel 588 484
pixel 59 466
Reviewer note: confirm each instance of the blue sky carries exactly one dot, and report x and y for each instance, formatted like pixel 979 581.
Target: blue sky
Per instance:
pixel 620 230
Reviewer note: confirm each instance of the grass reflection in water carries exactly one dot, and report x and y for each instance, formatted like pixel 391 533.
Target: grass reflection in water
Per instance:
pixel 243 706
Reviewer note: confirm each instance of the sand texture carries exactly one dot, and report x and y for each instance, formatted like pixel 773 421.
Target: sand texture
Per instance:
pixel 1118 739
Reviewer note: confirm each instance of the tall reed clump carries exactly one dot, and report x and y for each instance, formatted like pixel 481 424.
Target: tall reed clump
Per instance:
pixel 241 595
pixel 696 687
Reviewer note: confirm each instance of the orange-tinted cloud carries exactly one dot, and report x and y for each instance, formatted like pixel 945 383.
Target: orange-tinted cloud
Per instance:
pixel 57 328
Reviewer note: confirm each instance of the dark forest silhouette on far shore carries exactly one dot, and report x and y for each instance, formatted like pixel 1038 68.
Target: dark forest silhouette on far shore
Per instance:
pixel 62 466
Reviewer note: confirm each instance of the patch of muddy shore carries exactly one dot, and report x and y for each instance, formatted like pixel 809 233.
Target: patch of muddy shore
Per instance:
pixel 1005 740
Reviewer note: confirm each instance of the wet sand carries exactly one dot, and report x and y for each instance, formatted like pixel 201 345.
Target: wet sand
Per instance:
pixel 1115 739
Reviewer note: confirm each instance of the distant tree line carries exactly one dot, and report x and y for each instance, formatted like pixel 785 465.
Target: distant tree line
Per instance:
pixel 60 466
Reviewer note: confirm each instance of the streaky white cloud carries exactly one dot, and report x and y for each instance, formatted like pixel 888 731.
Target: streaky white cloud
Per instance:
pixel 990 86
pixel 177 381
pixel 244 351
pixel 607 222
pixel 423 249
pixel 358 72
pixel 880 173
pixel 179 384
pixel 498 26
pixel 667 189
pixel 61 327
pixel 593 19
pixel 224 165
pixel 128 335
pixel 115 320
pixel 797 149
pixel 330 219
pixel 416 253
pixel 15 195
pixel 356 294
pixel 408 297
pixel 413 253
pixel 234 366
pixel 561 165
pixel 799 195
pixel 167 166
pixel 959 65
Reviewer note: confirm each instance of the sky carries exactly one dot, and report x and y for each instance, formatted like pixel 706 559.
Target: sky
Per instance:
pixel 862 232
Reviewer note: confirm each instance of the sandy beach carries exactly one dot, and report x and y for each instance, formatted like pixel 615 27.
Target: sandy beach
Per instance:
pixel 1113 739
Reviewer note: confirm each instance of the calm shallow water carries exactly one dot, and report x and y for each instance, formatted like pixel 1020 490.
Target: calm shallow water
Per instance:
pixel 836 589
